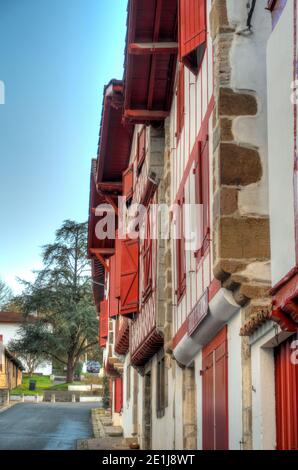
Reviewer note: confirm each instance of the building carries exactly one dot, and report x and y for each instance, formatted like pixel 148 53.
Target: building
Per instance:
pixel 10 372
pixel 10 323
pixel 197 326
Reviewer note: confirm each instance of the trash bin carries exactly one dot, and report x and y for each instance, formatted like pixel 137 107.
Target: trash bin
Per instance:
pixel 32 385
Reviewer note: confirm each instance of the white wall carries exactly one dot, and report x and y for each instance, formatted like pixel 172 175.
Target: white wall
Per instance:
pixel 281 144
pixel 263 394
pixel 9 332
pixel 127 414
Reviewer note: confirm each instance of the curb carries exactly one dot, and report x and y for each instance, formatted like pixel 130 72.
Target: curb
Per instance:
pixel 5 408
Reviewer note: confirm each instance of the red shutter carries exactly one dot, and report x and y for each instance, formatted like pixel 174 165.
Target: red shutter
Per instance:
pixel 129 277
pixel 118 246
pixel 118 395
pixel 286 393
pixel 180 252
pixel 215 393
pixel 147 258
pixel 141 147
pixel 103 323
pixel 180 93
pixel 192 32
pixel 113 300
pixel 127 179
pixel 202 196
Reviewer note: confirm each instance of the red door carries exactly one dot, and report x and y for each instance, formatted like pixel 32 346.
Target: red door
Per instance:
pixel 286 395
pixel 215 393
pixel 118 395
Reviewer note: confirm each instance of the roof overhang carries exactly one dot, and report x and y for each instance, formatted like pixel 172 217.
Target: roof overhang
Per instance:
pixel 150 62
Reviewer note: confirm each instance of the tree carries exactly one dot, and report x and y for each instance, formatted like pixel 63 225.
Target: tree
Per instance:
pixel 5 293
pixel 26 346
pixel 67 325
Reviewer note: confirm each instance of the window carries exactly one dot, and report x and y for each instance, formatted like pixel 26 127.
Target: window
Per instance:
pixel 180 251
pixel 127 181
pixel 161 387
pixel 180 97
pixel 192 32
pixel 141 147
pixel 129 277
pixel 147 258
pixel 202 196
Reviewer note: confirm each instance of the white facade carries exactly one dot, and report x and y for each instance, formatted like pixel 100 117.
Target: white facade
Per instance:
pixel 10 332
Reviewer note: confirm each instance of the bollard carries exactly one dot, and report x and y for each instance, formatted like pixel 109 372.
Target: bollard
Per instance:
pixel 36 398
pixel 53 398
pixel 73 398
pixel 22 398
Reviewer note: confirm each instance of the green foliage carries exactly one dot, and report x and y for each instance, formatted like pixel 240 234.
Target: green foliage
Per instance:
pixel 43 382
pixel 106 393
pixel 67 324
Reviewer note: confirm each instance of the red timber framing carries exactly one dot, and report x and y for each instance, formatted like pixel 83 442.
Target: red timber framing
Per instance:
pixel 202 194
pixel 103 323
pixel 146 256
pixel 151 54
pixel 180 251
pixel 286 393
pixel 180 106
pixel 215 393
pixel 118 394
pixel 128 183
pixel 192 32
pixel 129 277
pixel 141 147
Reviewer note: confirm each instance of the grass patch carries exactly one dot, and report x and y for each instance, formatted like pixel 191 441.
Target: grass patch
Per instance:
pixel 43 382
pixel 64 386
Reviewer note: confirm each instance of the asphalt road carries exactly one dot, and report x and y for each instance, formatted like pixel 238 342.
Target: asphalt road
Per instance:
pixel 45 426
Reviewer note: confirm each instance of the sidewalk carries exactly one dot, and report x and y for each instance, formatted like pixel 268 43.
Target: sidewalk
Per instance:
pixel 106 436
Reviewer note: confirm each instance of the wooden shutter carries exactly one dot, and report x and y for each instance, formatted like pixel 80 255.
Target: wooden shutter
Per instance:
pixel 180 105
pixel 129 277
pixel 127 180
pixel 103 323
pixel 118 395
pixel 141 147
pixel 192 32
pixel 286 393
pixel 147 258
pixel 118 246
pixel 215 393
pixel 113 300
pixel 202 196
pixel 180 252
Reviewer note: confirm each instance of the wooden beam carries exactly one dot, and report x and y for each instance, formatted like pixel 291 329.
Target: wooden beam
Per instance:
pixel 110 187
pixel 144 115
pixel 153 48
pixel 102 251
pixel 102 261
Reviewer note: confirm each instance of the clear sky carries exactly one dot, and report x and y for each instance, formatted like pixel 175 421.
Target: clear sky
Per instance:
pixel 55 57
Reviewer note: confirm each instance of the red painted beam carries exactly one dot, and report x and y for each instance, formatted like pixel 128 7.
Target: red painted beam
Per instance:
pixel 144 115
pixel 158 48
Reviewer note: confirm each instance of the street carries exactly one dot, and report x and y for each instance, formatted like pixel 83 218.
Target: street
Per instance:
pixel 45 426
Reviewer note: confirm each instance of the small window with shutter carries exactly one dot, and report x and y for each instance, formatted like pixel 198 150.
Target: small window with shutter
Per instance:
pixel 127 182
pixel 129 277
pixel 192 32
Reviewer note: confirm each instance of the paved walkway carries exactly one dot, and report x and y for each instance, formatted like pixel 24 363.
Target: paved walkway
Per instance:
pixel 45 426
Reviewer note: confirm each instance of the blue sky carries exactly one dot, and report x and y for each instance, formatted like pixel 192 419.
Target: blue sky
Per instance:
pixel 55 57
